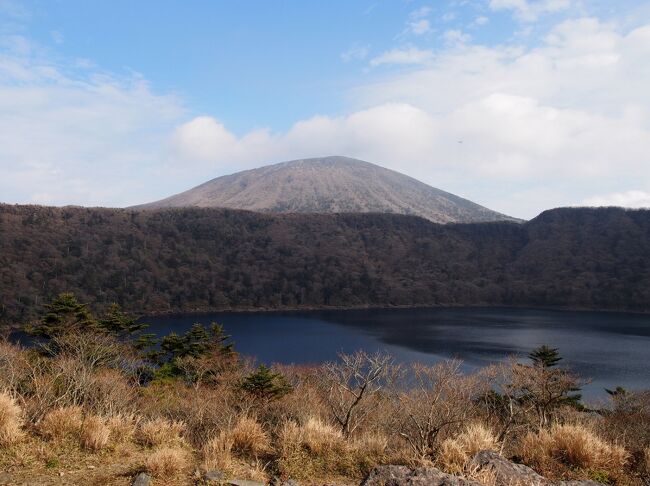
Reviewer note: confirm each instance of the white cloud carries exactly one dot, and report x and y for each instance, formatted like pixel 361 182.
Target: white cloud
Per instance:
pixel 519 129
pixel 448 17
pixel 531 10
pixel 538 127
pixel 76 137
pixel 355 53
pixel 455 37
pixel 406 55
pixel 392 131
pixel 627 199
pixel 420 27
pixel 420 13
pixel 479 21
pixel 417 23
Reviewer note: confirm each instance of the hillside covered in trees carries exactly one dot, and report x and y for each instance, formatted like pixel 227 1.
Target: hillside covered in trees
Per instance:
pixel 212 259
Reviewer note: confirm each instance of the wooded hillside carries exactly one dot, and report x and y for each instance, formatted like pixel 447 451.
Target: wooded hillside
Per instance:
pixel 209 259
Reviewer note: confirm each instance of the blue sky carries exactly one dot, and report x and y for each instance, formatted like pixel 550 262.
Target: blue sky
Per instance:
pixel 254 63
pixel 117 103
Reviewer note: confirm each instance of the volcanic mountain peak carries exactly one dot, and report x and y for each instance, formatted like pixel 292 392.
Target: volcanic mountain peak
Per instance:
pixel 330 185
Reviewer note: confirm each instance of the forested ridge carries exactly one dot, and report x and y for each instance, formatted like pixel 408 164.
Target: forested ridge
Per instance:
pixel 212 259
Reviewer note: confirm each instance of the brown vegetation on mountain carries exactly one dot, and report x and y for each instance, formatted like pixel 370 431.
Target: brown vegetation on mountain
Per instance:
pixel 211 259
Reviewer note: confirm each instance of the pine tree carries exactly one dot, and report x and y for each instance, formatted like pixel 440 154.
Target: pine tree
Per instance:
pixel 116 322
pixel 265 384
pixel 545 356
pixel 546 359
pixel 64 314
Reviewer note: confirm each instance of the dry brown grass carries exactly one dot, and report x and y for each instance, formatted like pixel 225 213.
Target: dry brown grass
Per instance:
pixel 217 452
pixel 374 444
pixel 456 451
pixel 314 449
pixel 167 462
pixel 94 433
pixel 122 427
pixel 322 438
pixel 249 437
pixel 160 431
pixel 11 420
pixel 61 423
pixel 573 447
pixel 485 477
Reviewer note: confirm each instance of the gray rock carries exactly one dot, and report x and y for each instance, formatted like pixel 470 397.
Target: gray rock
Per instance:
pixel 213 476
pixel 142 479
pixel 242 482
pixel 290 482
pixel 512 474
pixel 507 472
pixel 405 476
pixel 579 483
pixel 276 481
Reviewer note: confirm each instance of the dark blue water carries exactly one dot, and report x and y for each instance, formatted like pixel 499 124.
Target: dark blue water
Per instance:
pixel 611 349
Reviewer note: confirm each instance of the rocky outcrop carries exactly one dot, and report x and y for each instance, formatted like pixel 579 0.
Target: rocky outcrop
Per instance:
pixel 405 476
pixel 506 472
pixel 488 463
pixel 512 474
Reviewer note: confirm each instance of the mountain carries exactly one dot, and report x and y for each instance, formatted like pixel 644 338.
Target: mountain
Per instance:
pixel 202 259
pixel 330 185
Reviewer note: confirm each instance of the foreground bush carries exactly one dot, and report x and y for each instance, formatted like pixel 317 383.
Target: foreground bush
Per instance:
pixel 160 431
pixel 456 451
pixel 167 462
pixel 94 433
pixel 61 423
pixel 11 420
pixel 566 448
pixel 193 403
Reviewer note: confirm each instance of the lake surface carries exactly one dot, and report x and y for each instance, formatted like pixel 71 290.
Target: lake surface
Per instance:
pixel 612 349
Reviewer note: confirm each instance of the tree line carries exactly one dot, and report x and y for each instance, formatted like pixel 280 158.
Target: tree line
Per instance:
pixel 179 260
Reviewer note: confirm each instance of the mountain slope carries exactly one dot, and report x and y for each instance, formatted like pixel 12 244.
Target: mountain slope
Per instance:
pixel 330 185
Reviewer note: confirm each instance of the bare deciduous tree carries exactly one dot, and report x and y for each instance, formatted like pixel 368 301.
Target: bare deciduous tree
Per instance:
pixel 353 384
pixel 442 397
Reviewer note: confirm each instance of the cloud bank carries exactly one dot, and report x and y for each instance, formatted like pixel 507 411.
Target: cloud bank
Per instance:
pixel 515 127
pixel 518 129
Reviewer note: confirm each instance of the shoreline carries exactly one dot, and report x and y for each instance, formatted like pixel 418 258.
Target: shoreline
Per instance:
pixel 298 309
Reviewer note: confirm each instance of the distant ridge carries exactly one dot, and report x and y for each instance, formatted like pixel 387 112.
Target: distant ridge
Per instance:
pixel 330 185
pixel 205 259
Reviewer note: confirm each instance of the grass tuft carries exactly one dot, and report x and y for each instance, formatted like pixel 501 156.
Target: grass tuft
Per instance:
pixel 94 433
pixel 572 447
pixel 160 431
pixel 166 462
pixel 61 423
pixel 11 420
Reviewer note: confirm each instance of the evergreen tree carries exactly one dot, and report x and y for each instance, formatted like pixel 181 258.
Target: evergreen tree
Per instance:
pixel 265 384
pixel 64 314
pixel 116 322
pixel 546 359
pixel 197 343
pixel 545 356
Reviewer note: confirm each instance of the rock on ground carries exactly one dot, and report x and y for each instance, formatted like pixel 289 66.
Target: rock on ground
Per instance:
pixel 512 474
pixel 142 479
pixel 505 473
pixel 405 476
